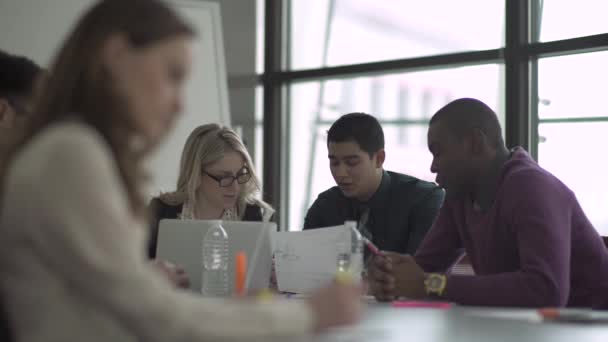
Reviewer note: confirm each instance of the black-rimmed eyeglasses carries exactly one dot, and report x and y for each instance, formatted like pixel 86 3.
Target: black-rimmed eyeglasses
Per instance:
pixel 225 181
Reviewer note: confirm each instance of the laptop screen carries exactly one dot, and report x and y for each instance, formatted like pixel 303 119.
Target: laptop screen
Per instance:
pixel 181 242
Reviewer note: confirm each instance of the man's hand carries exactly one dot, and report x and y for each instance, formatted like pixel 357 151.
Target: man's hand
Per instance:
pixel 408 276
pixel 381 278
pixel 176 275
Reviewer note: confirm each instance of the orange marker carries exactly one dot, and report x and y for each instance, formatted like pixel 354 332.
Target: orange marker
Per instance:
pixel 549 313
pixel 240 270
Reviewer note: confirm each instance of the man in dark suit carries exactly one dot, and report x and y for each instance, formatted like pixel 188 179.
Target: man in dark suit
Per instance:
pixel 18 78
pixel 393 210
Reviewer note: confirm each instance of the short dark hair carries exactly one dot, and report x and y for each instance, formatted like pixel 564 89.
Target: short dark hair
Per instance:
pixel 361 128
pixel 464 114
pixel 17 75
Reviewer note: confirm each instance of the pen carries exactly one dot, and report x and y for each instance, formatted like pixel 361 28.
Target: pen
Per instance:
pixel 370 245
pixel 420 304
pixel 573 315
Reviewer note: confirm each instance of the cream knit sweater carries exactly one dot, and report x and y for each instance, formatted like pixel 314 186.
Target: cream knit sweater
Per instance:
pixel 73 266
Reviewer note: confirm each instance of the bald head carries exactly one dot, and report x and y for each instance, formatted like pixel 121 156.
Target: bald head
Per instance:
pixel 460 117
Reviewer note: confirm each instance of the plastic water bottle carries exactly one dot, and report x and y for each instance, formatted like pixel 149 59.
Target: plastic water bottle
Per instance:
pixel 350 253
pixel 357 250
pixel 214 282
pixel 343 262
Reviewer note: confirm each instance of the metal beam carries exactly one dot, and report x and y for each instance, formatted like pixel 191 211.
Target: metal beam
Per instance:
pixel 273 102
pixel 384 122
pixel 517 104
pixel 535 15
pixel 598 42
pixel 574 120
pixel 403 65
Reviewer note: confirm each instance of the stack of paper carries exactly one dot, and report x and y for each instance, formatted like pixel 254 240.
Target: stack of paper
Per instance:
pixel 307 260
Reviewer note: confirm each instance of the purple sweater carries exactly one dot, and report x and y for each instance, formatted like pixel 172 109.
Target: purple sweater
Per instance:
pixel 534 247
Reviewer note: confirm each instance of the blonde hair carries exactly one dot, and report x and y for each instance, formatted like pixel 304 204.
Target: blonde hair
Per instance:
pixel 206 145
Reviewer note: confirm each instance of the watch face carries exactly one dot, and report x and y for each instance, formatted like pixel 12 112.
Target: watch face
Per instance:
pixel 435 282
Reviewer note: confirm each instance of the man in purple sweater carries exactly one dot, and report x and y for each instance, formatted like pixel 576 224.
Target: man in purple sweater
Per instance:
pixel 524 231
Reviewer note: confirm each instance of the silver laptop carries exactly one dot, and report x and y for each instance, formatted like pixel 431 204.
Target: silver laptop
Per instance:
pixel 181 242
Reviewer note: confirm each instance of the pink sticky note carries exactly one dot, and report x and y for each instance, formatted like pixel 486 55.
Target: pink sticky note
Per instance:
pixel 420 304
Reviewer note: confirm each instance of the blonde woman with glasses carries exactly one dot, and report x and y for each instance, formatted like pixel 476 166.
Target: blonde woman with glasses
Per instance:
pixel 217 180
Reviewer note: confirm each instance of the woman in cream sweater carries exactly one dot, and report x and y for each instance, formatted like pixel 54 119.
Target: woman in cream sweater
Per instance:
pixel 72 209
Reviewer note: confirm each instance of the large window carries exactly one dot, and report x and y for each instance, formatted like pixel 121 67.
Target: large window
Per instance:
pixel 402 102
pixel 339 32
pixel 573 128
pixel 571 19
pixel 540 64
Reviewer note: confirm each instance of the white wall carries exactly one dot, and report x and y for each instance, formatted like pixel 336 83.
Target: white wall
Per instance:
pixel 239 25
pixel 206 95
pixel 35 28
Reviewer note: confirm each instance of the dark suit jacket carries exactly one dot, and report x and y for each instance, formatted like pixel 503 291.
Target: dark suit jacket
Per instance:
pixel 401 211
pixel 161 210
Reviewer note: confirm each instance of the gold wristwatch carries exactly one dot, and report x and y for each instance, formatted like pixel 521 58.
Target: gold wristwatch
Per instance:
pixel 434 284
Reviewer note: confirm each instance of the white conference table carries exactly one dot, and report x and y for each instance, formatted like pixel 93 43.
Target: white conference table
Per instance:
pixel 381 322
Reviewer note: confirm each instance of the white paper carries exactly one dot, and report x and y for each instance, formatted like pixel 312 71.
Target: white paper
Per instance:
pixel 307 260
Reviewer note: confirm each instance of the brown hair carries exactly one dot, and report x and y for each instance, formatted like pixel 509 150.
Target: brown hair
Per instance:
pixel 80 87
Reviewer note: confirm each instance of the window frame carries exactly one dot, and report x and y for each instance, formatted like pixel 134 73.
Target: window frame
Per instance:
pixel 519 56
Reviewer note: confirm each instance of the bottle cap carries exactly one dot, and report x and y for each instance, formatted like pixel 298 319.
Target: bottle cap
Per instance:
pixel 265 295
